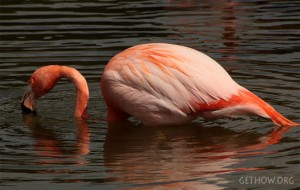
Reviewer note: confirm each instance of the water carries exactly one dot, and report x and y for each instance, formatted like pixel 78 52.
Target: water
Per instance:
pixel 257 42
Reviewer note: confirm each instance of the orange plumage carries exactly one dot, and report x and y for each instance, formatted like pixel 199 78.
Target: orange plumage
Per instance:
pixel 170 84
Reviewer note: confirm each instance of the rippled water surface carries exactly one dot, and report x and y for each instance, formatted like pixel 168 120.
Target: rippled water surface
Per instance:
pixel 257 42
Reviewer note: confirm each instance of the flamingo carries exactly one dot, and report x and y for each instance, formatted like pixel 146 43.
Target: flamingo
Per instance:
pixel 159 84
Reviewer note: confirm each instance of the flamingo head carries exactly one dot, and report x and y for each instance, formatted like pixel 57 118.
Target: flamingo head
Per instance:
pixel 40 83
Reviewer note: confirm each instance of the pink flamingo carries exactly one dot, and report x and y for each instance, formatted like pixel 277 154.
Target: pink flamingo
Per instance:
pixel 159 84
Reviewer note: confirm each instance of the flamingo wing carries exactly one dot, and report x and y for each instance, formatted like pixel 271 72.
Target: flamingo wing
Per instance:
pixel 163 78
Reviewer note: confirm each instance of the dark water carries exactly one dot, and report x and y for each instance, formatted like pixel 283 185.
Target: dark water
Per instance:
pixel 256 41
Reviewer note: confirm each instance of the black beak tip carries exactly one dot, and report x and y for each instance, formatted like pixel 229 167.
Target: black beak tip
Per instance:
pixel 27 110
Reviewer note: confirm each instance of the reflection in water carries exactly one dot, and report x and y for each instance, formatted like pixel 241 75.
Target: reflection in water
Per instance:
pixel 230 39
pixel 224 26
pixel 165 157
pixel 179 156
pixel 48 144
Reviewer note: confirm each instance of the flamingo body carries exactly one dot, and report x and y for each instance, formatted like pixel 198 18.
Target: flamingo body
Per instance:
pixel 162 84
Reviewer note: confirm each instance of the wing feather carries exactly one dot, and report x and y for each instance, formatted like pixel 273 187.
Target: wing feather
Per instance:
pixel 175 75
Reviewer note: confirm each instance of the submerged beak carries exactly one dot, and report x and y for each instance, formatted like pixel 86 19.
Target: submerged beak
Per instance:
pixel 28 103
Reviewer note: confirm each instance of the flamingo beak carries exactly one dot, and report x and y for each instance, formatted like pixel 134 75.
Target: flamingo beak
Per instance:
pixel 28 103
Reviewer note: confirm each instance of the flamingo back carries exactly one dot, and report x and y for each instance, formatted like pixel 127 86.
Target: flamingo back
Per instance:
pixel 157 81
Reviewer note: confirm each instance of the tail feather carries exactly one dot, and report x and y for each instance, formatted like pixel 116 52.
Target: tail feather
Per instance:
pixel 269 111
pixel 279 119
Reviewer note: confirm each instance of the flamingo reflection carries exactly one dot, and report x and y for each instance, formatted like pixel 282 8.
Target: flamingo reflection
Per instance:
pixel 49 147
pixel 179 157
pixel 224 20
pixel 170 157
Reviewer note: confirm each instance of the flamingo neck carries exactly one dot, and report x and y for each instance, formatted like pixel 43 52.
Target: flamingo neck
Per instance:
pixel 82 90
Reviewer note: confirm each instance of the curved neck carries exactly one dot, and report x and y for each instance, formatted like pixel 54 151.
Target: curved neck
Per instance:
pixel 82 90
